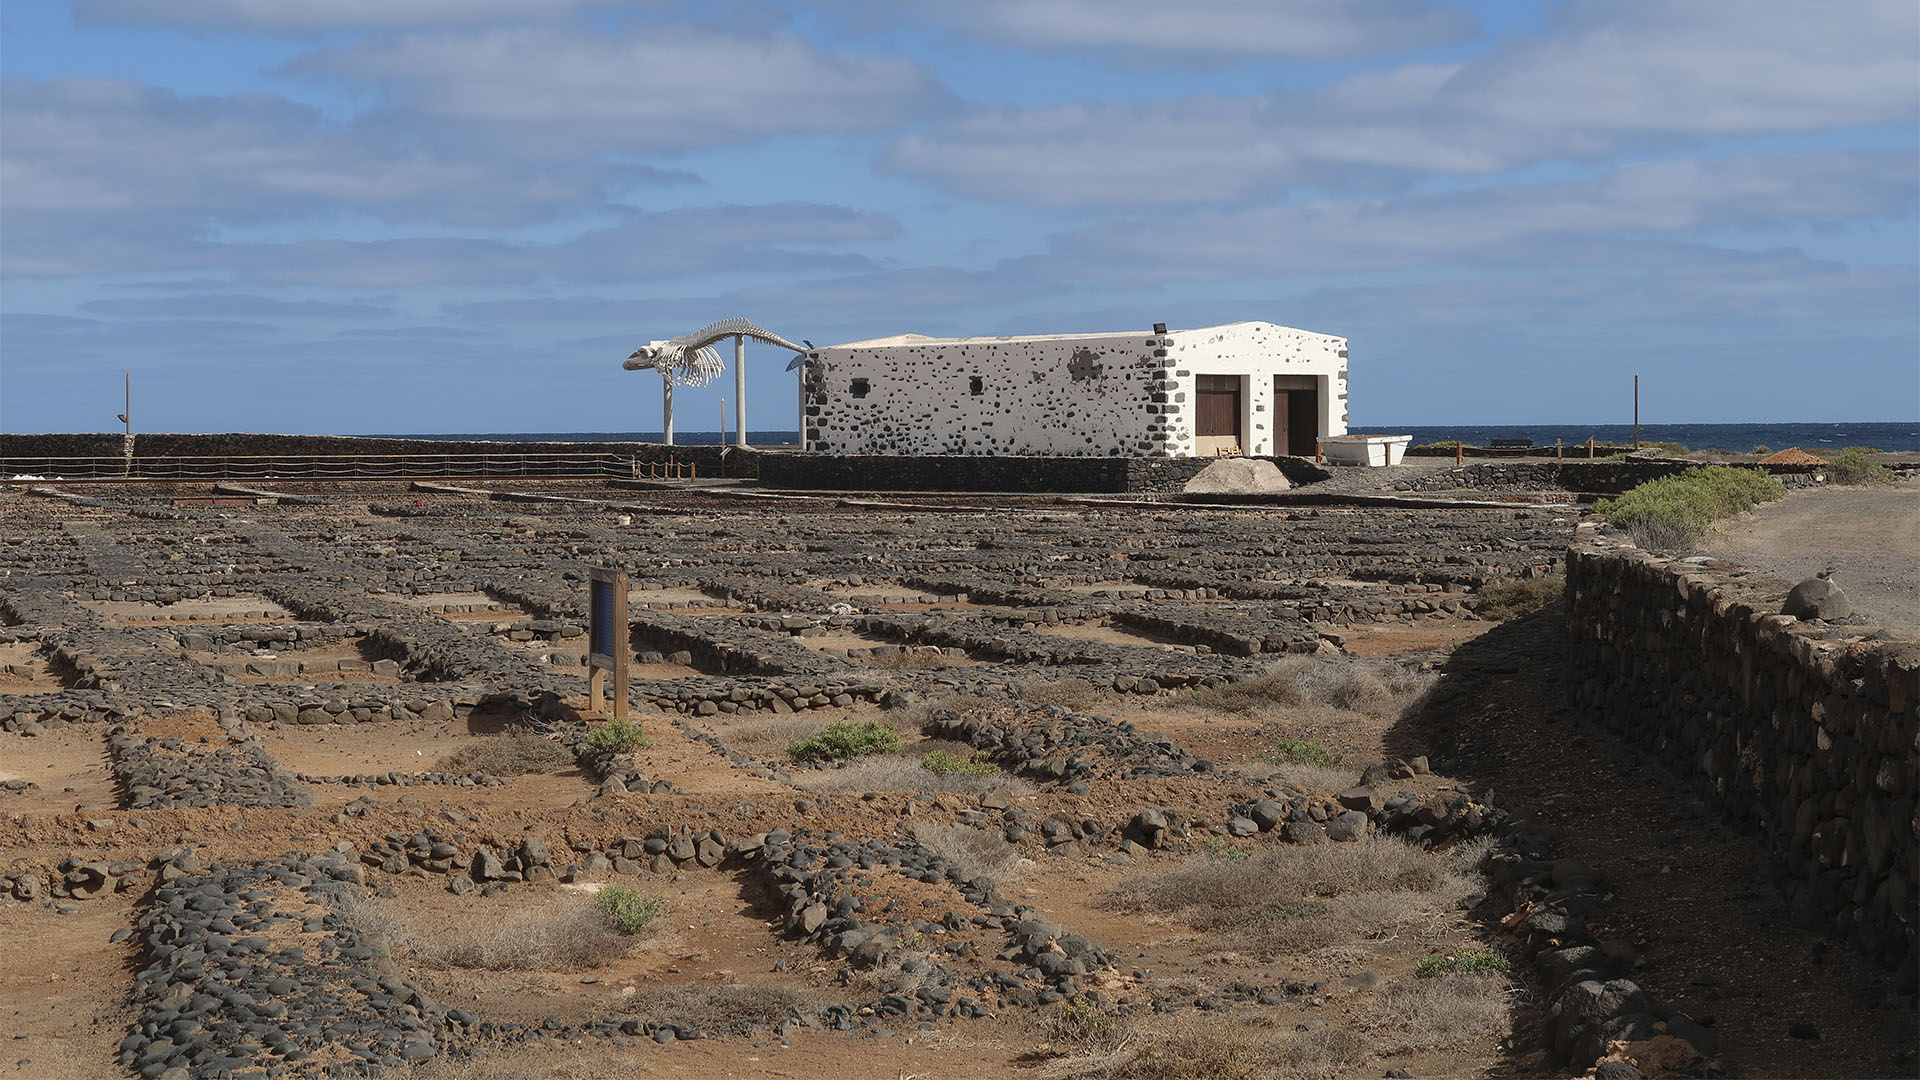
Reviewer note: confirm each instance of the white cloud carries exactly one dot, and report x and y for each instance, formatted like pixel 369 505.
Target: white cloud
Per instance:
pixel 639 89
pixel 1223 29
pixel 309 15
pixel 1598 80
pixel 1614 218
pixel 93 146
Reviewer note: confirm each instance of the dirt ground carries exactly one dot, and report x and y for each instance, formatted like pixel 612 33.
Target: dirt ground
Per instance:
pixel 1868 536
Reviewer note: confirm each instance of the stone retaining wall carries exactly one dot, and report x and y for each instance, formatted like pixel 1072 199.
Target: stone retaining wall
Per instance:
pixel 961 472
pixel 1601 477
pixel 1804 732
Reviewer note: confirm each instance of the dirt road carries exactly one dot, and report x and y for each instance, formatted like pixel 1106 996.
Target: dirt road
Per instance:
pixel 1870 537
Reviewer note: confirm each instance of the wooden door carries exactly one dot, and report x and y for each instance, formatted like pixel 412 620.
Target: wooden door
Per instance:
pixel 1218 407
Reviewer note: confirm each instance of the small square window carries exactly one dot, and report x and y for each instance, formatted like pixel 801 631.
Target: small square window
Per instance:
pixel 976 386
pixel 860 387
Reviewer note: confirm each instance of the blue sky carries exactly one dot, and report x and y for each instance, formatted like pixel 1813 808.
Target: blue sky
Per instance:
pixel 461 215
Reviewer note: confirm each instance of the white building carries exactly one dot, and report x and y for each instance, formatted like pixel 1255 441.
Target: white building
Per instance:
pixel 1250 387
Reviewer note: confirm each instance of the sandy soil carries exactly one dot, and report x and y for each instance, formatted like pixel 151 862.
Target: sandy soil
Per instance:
pixel 1869 537
pixel 69 765
pixel 27 653
pixel 65 1011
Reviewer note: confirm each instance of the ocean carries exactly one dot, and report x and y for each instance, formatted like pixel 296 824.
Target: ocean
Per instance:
pixel 1742 437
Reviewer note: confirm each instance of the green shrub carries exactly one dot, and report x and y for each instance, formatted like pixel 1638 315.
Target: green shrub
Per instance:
pixel 629 910
pixel 1477 962
pixel 844 739
pixel 1454 445
pixel 1763 450
pixel 1852 467
pixel 618 736
pixel 1675 510
pixel 1673 448
pixel 1219 848
pixel 1303 752
pixel 1502 600
pixel 947 763
pixel 1080 1023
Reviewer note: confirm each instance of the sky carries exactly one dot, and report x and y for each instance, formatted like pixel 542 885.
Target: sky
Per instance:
pixel 434 216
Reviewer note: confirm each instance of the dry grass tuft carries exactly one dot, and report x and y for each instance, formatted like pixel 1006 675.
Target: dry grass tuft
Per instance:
pixel 899 773
pixel 566 934
pixel 531 1064
pixel 513 753
pixel 1323 1053
pixel 729 1008
pixel 1294 899
pixel 977 851
pixel 1452 1011
pixel 768 736
pixel 913 660
pixel 1066 692
pixel 1511 599
pixel 1372 687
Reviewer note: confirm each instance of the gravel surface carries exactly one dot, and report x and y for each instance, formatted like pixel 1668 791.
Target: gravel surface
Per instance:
pixel 1869 537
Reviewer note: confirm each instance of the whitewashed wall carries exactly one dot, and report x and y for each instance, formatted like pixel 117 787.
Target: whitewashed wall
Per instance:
pixel 1258 351
pixel 1123 395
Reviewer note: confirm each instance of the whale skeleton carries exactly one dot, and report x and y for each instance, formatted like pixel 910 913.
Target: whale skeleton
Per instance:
pixel 692 360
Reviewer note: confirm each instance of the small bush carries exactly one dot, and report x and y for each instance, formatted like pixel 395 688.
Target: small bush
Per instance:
pixel 734 1008
pixel 565 936
pixel 1378 688
pixel 1477 962
pixel 629 910
pixel 844 739
pixel 976 852
pixel 1442 1011
pixel 1763 450
pixel 1298 898
pixel 512 754
pixel 1444 445
pixel 948 763
pixel 1219 848
pixel 1684 505
pixel 1671 448
pixel 1190 1057
pixel 1080 1023
pixel 1069 693
pixel 1513 598
pixel 618 736
pixel 1852 467
pixel 1303 752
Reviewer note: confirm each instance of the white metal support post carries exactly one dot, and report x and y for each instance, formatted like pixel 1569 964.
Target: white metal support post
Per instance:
pixel 740 389
pixel 666 409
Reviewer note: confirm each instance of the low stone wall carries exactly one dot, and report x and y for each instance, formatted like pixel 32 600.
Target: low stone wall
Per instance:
pixel 1600 477
pixel 962 472
pixel 1804 732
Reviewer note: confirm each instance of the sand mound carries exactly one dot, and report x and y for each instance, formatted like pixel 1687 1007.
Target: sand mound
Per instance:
pixel 1238 476
pixel 1793 455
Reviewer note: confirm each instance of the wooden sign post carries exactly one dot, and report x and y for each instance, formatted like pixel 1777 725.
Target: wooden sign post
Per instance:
pixel 607 638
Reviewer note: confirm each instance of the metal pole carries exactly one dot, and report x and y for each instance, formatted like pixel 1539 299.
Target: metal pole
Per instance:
pixel 1636 410
pixel 666 409
pixel 800 407
pixel 128 415
pixel 740 389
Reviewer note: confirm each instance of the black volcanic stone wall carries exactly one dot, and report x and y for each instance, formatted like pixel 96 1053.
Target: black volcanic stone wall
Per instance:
pixel 1804 733
pixel 889 472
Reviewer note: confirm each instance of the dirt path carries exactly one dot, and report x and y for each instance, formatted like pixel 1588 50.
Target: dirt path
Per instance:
pixel 1870 537
pixel 1693 896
